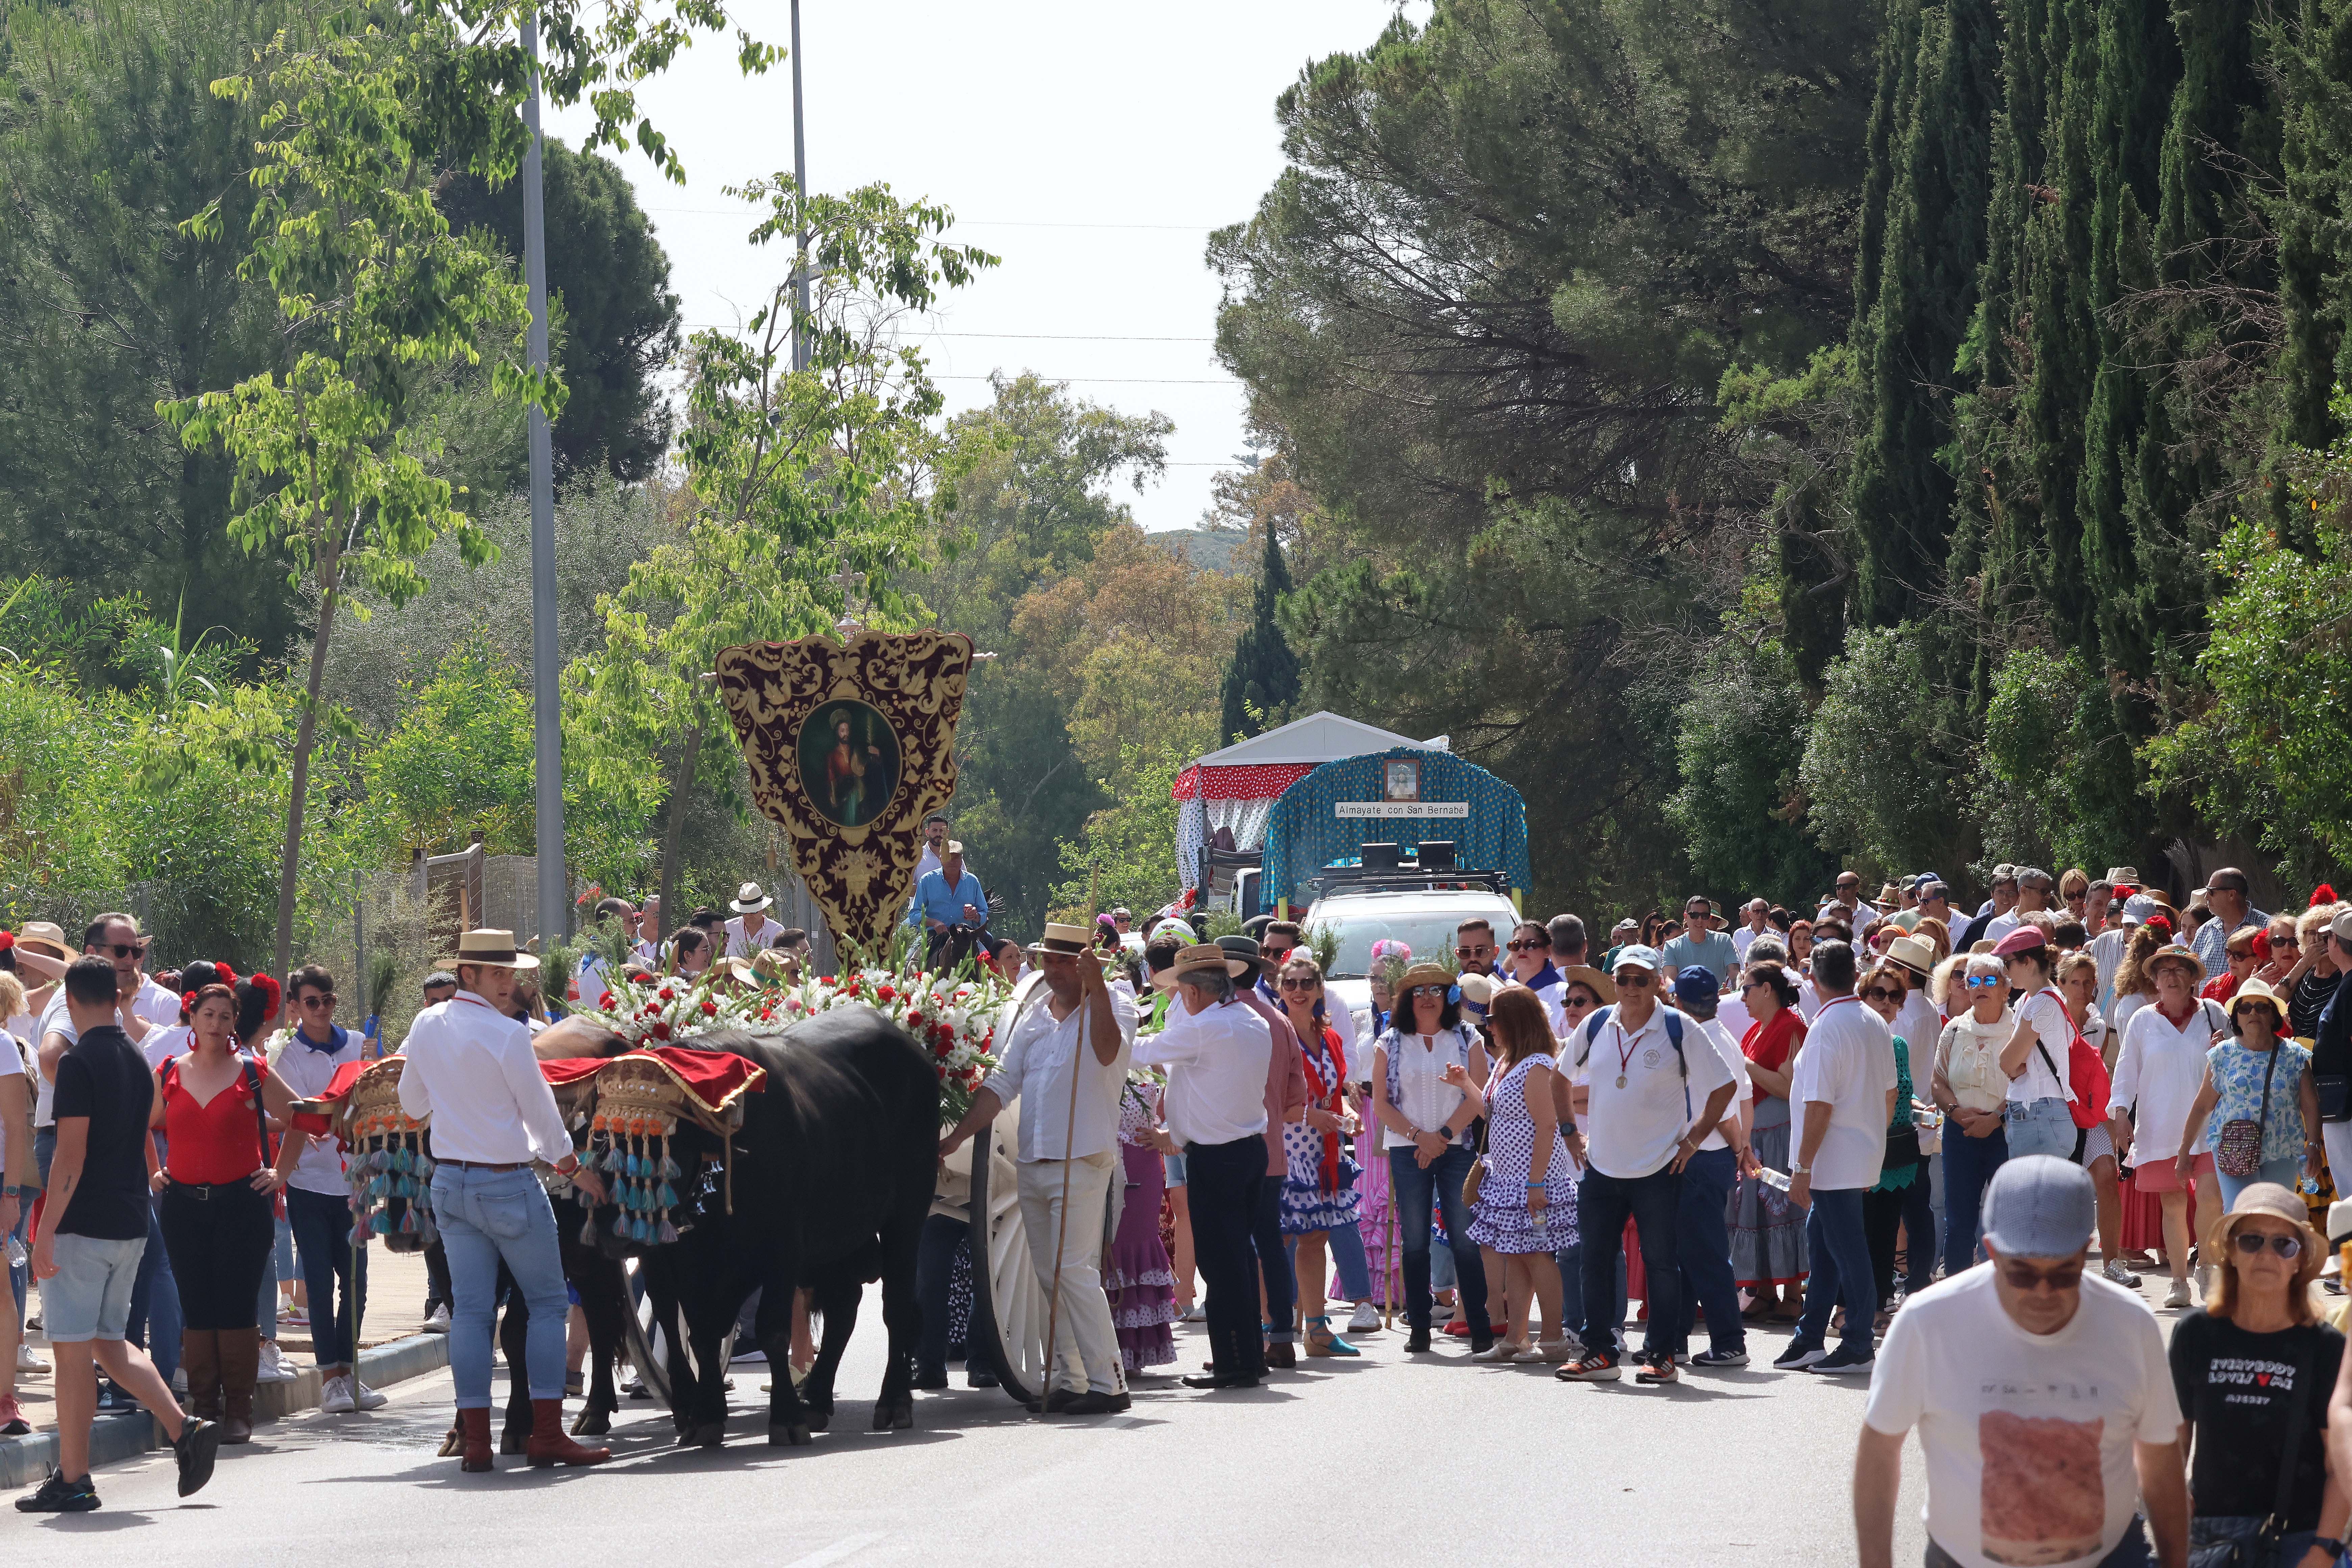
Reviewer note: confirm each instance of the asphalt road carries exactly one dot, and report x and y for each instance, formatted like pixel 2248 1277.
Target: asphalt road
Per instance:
pixel 1379 1460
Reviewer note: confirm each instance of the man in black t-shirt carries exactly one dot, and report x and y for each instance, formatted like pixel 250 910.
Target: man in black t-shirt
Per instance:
pixel 93 1229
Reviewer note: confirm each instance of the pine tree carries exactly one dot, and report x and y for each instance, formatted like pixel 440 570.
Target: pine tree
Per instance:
pixel 1908 334
pixel 1264 674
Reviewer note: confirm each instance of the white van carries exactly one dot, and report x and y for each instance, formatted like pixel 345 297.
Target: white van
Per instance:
pixel 1423 919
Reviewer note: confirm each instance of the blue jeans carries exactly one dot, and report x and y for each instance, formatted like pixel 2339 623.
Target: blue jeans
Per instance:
pixel 1703 1251
pixel 1350 1261
pixel 2131 1552
pixel 486 1217
pixel 1968 1165
pixel 1604 1203
pixel 321 1225
pixel 2213 1529
pixel 1414 1191
pixel 155 1319
pixel 1919 1249
pixel 2039 1127
pixel 2286 1172
pixel 1842 1274
pixel 1572 1295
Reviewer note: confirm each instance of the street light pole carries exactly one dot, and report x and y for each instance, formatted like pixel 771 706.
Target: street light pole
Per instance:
pixel 547 701
pixel 799 180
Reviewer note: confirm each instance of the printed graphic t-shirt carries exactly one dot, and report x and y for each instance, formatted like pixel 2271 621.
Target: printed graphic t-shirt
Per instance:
pixel 2238 1387
pixel 2028 1437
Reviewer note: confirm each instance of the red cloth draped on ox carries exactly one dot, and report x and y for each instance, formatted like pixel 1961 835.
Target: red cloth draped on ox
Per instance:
pixel 713 1078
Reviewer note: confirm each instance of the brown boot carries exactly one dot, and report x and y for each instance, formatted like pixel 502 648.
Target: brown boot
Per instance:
pixel 550 1444
pixel 200 1359
pixel 474 1426
pixel 240 1366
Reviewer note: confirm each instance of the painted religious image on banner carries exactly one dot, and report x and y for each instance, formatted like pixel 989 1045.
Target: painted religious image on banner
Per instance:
pixel 849 762
pixel 1400 779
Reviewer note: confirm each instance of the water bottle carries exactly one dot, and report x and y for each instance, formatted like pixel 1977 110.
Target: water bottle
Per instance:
pixel 2310 1185
pixel 17 1253
pixel 1774 1179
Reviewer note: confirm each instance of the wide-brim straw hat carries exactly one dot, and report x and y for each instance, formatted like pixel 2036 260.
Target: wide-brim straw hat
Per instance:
pixel 2175 953
pixel 750 900
pixel 2258 991
pixel 1910 952
pixel 2275 1202
pixel 489 949
pixel 1602 985
pixel 1424 973
pixel 1201 956
pixel 1063 941
pixel 46 936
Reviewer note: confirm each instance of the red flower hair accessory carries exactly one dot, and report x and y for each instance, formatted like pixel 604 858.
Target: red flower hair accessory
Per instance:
pixel 271 993
pixel 8 940
pixel 188 1004
pixel 2159 923
pixel 2322 894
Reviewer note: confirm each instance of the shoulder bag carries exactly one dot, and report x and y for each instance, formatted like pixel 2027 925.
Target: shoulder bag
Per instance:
pixel 2260 1549
pixel 2238 1150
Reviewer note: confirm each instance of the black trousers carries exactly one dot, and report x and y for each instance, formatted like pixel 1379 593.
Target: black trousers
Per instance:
pixel 1274 1263
pixel 219 1240
pixel 1225 1180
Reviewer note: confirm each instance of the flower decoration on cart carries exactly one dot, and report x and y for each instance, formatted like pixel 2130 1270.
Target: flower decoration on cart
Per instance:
pixel 662 1010
pixel 951 1017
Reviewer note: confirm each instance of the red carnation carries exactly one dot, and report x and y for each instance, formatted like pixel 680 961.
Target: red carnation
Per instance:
pixel 660 1030
pixel 885 992
pixel 914 1020
pixel 605 1000
pixel 940 1047
pixel 709 1009
pixel 667 994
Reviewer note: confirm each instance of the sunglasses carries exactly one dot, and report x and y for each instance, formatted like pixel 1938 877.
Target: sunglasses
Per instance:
pixel 1577 1004
pixel 1881 994
pixel 1299 982
pixel 1636 978
pixel 2025 1277
pixel 1471 952
pixel 121 949
pixel 318 999
pixel 1432 992
pixel 1529 946
pixel 1983 982
pixel 2251 1242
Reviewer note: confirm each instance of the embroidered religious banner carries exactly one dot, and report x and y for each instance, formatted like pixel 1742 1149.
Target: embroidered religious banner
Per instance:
pixel 851 744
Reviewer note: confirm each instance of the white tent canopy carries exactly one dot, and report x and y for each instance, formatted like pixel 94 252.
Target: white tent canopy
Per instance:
pixel 1222 789
pixel 1323 737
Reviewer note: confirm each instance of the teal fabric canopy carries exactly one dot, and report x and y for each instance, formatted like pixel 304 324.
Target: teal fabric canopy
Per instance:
pixel 1306 833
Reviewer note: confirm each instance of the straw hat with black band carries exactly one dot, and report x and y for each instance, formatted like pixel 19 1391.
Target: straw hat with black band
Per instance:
pixel 1064 941
pixel 489 949
pixel 1421 973
pixel 1601 985
pixel 1203 956
pixel 1913 956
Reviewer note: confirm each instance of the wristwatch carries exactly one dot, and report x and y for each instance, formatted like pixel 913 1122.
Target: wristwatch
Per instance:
pixel 1796 1168
pixel 2333 1548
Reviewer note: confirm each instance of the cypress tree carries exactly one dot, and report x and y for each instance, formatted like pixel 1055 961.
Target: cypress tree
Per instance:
pixel 1265 673
pixel 1908 332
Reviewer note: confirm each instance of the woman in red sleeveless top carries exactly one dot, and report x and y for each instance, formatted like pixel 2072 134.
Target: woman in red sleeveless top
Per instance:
pixel 219 1191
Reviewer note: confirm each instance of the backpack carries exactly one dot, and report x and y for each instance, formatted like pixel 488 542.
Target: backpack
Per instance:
pixel 2085 1070
pixel 1673 1037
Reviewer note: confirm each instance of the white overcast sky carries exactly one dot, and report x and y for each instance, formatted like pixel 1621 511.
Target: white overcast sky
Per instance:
pixel 1091 147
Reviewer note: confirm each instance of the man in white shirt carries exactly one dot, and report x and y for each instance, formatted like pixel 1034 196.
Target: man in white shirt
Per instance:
pixel 750 929
pixel 1068 1152
pixel 1702 1235
pixel 318 1195
pixel 1648 1090
pixel 935 844
pixel 469 1067
pixel 648 944
pixel 2033 890
pixel 1844 1082
pixel 2045 1405
pixel 1218 1052
pixel 1754 922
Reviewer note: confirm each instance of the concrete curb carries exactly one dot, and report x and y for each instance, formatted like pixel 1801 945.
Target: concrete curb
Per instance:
pixel 126 1434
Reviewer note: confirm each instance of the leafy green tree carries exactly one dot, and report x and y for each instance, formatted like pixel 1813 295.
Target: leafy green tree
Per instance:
pixel 1125 853
pixel 1261 683
pixel 1887 759
pixel 803 483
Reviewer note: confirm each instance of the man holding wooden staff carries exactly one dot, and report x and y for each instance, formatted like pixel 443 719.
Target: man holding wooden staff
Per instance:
pixel 1068 1151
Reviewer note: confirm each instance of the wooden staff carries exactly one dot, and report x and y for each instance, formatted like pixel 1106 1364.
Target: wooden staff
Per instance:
pixel 1069 1131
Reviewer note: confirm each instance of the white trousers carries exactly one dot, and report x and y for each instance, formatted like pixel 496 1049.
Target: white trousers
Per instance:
pixel 1086 1345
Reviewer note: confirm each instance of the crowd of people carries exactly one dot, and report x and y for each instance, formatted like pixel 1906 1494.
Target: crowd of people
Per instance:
pixel 1896 1130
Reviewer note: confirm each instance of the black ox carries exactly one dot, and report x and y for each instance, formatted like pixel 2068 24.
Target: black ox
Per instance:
pixel 834 1171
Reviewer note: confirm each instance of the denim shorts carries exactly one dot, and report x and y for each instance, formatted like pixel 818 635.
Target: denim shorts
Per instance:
pixel 2039 1127
pixel 89 1298
pixel 1175 1164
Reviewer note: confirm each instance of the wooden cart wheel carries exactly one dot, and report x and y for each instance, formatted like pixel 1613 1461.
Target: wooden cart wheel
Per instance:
pixel 1008 1306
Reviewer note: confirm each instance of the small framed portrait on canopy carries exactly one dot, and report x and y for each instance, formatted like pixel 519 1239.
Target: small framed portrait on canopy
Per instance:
pixel 1400 779
pixel 849 760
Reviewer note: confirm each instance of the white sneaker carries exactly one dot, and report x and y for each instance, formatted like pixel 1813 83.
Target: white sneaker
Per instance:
pixel 336 1399
pixel 1367 1320
pixel 2178 1296
pixel 363 1396
pixel 437 1322
pixel 26 1361
pixel 274 1368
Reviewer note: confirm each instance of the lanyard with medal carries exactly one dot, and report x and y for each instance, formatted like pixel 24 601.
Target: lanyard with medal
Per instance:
pixel 1624 1050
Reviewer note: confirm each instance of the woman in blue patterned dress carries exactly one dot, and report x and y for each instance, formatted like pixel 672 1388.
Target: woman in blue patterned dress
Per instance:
pixel 1319 1201
pixel 2263 1081
pixel 1525 1154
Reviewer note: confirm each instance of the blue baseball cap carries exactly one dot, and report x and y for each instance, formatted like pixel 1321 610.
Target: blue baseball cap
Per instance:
pixel 1696 986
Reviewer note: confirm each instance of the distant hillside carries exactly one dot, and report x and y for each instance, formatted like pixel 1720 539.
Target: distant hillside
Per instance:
pixel 1211 549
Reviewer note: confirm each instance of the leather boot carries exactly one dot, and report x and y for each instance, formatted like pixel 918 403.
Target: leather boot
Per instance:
pixel 550 1445
pixel 200 1359
pixel 240 1366
pixel 474 1425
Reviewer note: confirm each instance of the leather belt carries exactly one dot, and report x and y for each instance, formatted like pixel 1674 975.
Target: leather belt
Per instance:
pixel 202 1191
pixel 480 1165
